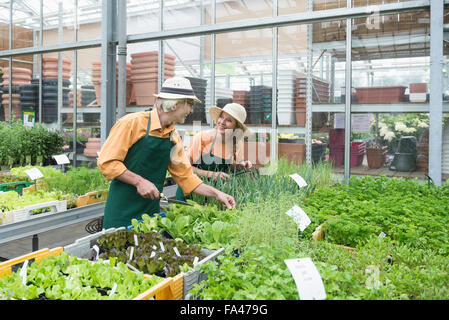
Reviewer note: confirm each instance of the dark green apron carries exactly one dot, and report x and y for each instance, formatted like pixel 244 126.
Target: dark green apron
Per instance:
pixel 208 162
pixel 148 157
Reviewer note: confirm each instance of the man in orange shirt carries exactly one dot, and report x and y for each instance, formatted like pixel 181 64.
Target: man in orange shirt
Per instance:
pixel 139 150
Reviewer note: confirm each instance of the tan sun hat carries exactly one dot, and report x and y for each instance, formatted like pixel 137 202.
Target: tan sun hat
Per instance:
pixel 235 110
pixel 177 88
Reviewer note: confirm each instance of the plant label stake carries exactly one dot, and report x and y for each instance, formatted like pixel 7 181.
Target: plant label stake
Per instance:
pixel 382 235
pixel 34 173
pixel 97 252
pixel 299 216
pixel 176 251
pixel 61 159
pixel 299 180
pixel 114 288
pixel 23 272
pixel 307 279
pixel 131 254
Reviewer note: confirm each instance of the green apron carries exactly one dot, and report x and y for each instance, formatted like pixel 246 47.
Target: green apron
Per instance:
pixel 208 162
pixel 148 157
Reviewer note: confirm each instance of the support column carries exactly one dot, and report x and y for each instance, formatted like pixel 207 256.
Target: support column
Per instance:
pixel 108 61
pixel 436 90
pixel 348 94
pixel 121 52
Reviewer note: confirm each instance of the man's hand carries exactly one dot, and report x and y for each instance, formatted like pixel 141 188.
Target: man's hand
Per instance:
pixel 209 191
pixel 147 189
pixel 226 199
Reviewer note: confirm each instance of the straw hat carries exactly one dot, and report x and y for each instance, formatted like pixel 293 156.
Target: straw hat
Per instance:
pixel 235 110
pixel 177 88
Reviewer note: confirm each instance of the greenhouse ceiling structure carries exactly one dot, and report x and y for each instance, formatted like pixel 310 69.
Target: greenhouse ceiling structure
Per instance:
pixel 238 44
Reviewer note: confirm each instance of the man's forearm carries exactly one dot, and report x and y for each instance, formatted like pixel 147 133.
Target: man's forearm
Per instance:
pixel 130 177
pixel 206 190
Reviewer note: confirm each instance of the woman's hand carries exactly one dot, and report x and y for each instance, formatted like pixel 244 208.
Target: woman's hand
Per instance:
pixel 246 164
pixel 221 175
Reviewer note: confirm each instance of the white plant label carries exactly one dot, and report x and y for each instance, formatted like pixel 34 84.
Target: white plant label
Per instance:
pixel 299 180
pixel 97 250
pixel 382 235
pixel 136 242
pixel 114 288
pixel 153 254
pixel 162 246
pixel 176 251
pixel 34 173
pixel 307 278
pixel 195 261
pixel 131 254
pixel 61 159
pixel 299 216
pixel 23 272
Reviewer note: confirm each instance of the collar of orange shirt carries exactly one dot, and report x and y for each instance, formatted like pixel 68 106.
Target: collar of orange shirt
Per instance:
pixel 156 124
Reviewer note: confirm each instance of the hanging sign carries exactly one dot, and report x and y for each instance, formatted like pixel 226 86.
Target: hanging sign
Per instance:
pixel 299 216
pixel 299 180
pixel 359 122
pixel 307 279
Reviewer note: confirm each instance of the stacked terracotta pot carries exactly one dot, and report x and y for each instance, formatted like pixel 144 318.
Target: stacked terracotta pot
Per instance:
pixel 240 97
pixel 50 68
pixel 96 80
pixel 422 155
pixel 144 66
pixel 93 145
pixel 20 76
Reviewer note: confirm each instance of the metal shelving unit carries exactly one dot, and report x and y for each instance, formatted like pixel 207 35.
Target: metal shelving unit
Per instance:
pixel 109 41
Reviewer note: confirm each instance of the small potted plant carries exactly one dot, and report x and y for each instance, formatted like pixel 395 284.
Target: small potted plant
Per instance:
pixel 376 154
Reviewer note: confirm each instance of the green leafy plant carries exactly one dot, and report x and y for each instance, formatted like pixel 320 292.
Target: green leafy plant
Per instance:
pixel 67 277
pixel 152 254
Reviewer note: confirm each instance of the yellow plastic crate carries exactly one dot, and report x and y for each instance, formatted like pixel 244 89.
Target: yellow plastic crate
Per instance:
pixel 6 268
pixel 91 198
pixel 169 289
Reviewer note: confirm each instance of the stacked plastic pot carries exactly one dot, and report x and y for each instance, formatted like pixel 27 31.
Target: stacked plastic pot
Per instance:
pixel 29 97
pixel 286 114
pixel 241 97
pixel 50 68
pixel 337 149
pixel 87 94
pixel 50 98
pixel 96 80
pixel 259 110
pixel 144 68
pixel 199 109
pixel 2 113
pixel 93 145
pixel 20 76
